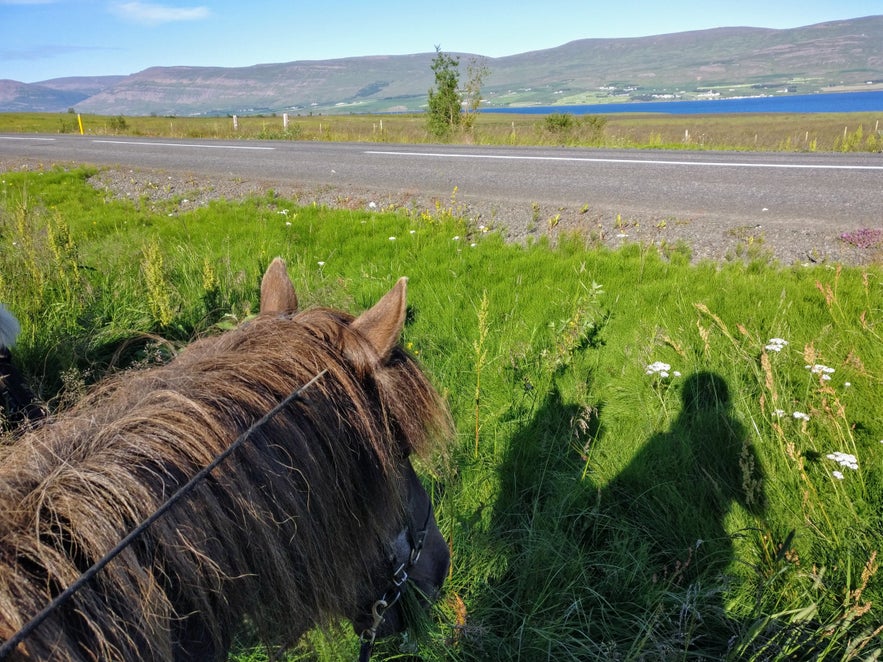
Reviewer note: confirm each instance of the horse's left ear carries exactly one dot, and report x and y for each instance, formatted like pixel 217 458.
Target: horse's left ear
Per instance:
pixel 382 324
pixel 277 292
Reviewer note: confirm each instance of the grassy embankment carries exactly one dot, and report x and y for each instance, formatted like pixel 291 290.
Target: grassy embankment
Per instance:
pixel 807 132
pixel 596 508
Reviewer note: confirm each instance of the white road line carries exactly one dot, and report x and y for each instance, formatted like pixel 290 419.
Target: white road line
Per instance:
pixel 26 138
pixel 155 144
pixel 708 164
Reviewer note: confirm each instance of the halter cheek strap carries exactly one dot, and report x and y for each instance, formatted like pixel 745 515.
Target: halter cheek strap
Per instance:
pixel 397 587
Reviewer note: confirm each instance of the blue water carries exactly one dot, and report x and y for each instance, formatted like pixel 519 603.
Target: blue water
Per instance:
pixel 843 102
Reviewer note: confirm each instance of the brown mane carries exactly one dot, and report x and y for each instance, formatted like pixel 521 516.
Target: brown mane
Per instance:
pixel 303 504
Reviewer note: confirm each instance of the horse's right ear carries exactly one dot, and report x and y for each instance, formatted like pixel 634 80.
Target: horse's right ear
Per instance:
pixel 277 292
pixel 382 324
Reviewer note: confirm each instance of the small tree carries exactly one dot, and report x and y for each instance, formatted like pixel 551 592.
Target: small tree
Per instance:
pixel 444 98
pixel 476 71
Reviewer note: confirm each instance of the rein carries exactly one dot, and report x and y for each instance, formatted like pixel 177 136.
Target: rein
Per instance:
pixel 182 492
pixel 396 589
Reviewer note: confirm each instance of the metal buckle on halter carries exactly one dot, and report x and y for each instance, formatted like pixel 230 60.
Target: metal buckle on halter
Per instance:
pixel 417 547
pixel 400 576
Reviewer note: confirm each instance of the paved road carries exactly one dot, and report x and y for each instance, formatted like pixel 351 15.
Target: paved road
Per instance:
pixel 793 188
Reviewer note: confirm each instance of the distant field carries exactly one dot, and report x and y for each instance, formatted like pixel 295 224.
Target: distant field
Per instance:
pixel 778 132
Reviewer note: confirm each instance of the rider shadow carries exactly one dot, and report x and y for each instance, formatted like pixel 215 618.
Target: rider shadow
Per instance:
pixel 573 547
pixel 533 524
pixel 677 491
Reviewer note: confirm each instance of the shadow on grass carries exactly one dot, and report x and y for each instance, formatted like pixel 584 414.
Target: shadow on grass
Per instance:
pixel 635 569
pixel 679 487
pixel 671 502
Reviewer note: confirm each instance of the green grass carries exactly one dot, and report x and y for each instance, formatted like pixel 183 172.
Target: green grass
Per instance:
pixel 855 132
pixel 594 511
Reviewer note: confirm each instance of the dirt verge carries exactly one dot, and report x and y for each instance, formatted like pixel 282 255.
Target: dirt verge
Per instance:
pixel 722 240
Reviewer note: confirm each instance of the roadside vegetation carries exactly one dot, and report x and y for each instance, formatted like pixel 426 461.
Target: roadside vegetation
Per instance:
pixel 452 106
pixel 848 132
pixel 654 459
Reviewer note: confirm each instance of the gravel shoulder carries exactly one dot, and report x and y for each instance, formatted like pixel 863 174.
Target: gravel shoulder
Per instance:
pixel 719 240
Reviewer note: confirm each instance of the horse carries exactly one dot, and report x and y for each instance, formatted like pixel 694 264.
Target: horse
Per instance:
pixel 18 404
pixel 318 516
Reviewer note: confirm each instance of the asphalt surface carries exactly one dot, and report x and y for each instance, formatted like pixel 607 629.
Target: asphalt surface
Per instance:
pixel 812 187
pixel 807 193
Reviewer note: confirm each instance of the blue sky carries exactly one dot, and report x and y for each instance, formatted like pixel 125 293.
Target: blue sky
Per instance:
pixel 43 39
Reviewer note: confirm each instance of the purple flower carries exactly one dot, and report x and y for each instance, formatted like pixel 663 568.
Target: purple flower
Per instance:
pixel 863 238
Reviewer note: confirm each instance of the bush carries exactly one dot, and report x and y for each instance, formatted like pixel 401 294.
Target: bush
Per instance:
pixel 118 123
pixel 561 122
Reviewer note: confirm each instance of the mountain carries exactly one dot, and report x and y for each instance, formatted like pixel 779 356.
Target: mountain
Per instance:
pixel 735 61
pixel 396 82
pixel 40 97
pixel 51 95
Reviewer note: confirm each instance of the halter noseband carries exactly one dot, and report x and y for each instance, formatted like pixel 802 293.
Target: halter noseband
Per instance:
pixel 396 588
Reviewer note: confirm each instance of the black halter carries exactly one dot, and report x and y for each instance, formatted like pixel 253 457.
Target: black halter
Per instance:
pixel 396 587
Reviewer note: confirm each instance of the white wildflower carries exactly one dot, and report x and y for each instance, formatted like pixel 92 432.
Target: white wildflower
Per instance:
pixel 660 369
pixel 392 238
pixel 823 370
pixel 800 416
pixel 321 263
pixel 847 460
pixel 776 344
pixel 837 474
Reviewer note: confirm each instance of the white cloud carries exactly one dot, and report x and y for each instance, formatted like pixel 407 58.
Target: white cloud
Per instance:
pixel 149 13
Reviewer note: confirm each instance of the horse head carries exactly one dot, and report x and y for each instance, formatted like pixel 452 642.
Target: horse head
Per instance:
pixel 293 435
pixel 417 556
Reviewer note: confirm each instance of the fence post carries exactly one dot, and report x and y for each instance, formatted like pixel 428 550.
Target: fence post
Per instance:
pixel 285 121
pixel 235 123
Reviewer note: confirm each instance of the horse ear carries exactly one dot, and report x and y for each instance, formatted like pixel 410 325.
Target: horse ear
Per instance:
pixel 382 324
pixel 277 292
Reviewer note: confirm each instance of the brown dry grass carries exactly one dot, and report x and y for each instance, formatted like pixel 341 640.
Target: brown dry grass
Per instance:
pixel 790 132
